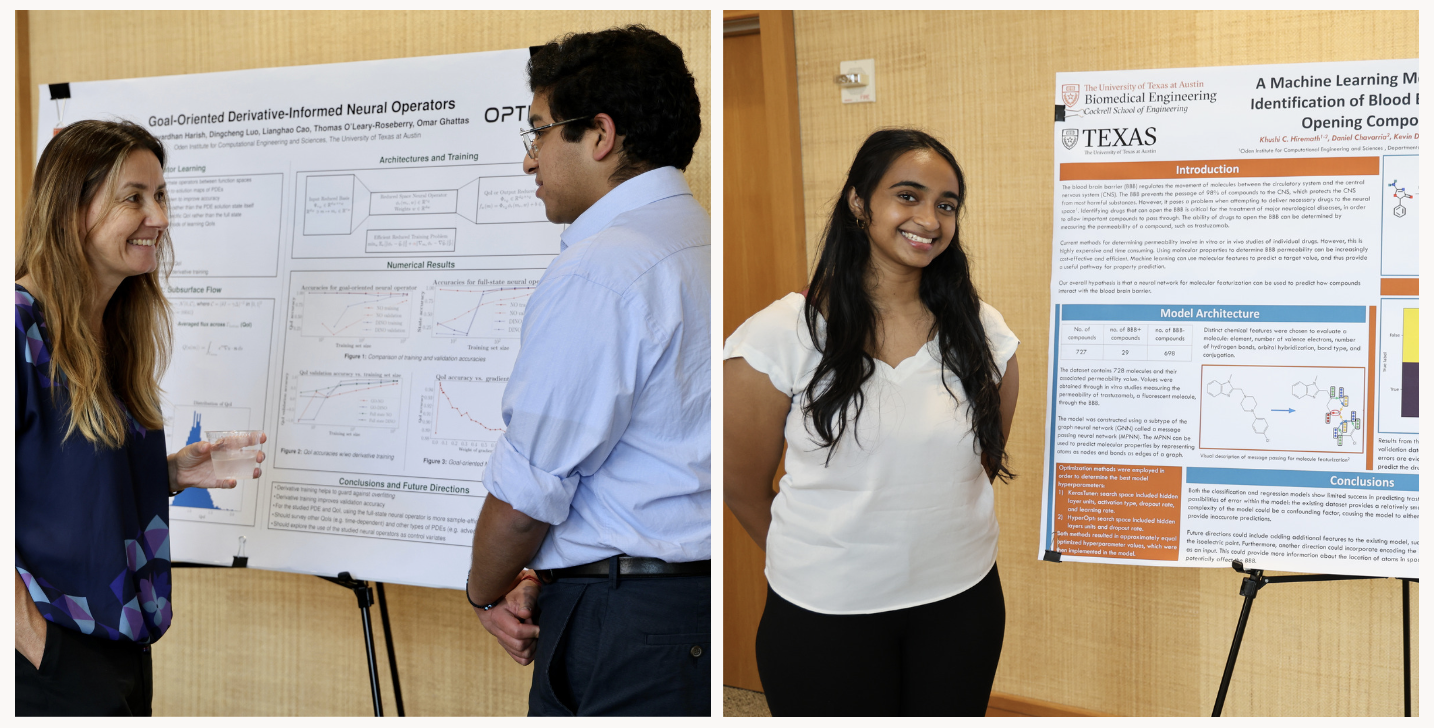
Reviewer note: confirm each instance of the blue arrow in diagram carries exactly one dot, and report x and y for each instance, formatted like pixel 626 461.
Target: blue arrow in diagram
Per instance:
pixel 1284 410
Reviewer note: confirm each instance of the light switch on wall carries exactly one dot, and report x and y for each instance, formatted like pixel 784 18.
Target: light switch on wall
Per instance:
pixel 859 94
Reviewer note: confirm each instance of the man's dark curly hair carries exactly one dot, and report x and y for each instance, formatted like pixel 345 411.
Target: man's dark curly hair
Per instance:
pixel 635 75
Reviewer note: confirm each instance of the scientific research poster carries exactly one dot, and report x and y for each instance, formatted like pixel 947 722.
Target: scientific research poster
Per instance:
pixel 354 247
pixel 1234 352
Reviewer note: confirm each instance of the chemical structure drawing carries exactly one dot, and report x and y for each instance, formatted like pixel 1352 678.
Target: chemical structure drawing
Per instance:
pixel 1248 403
pixel 1400 195
pixel 1334 409
pixel 1305 413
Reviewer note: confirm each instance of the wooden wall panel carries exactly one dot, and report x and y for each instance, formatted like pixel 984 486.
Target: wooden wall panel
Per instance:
pixel 752 275
pixel 267 643
pixel 1114 639
pixel 763 259
pixel 24 163
pixel 97 45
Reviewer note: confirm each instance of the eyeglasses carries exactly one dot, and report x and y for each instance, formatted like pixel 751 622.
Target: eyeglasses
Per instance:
pixel 530 137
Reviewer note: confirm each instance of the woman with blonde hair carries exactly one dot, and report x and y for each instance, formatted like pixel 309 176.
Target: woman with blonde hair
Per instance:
pixel 92 480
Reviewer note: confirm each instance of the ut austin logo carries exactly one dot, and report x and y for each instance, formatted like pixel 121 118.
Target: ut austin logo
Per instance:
pixel 1070 93
pixel 1069 137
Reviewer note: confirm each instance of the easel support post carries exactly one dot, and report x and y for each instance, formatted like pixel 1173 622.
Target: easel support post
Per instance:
pixel 1255 580
pixel 1249 587
pixel 1408 701
pixel 364 593
pixel 388 640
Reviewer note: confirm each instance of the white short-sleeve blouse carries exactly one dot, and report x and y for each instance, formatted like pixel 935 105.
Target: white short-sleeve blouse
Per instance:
pixel 902 516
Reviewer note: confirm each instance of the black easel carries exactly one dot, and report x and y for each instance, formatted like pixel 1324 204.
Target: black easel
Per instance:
pixel 393 659
pixel 1255 580
pixel 365 595
pixel 1408 702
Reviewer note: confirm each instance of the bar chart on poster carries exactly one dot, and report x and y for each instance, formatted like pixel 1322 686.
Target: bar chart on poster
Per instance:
pixel 354 247
pixel 1234 358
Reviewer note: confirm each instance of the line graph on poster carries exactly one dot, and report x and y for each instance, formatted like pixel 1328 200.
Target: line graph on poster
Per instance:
pixel 346 401
pixel 486 306
pixel 353 311
pixel 463 409
pixel 460 420
pixel 478 312
pixel 342 421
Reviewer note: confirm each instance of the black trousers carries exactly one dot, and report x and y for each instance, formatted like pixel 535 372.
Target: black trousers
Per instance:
pixel 633 646
pixel 936 659
pixel 84 676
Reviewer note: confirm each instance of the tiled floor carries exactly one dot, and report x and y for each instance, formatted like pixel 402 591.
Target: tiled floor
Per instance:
pixel 739 703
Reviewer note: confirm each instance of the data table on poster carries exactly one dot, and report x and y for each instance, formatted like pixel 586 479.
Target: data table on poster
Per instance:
pixel 1128 341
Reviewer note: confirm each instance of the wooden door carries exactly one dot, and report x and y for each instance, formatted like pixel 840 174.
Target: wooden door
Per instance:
pixel 764 258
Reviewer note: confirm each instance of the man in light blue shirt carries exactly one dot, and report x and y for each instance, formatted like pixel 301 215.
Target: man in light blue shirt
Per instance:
pixel 602 480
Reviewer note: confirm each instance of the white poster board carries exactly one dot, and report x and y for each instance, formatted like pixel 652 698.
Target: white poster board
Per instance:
pixel 1234 323
pixel 354 247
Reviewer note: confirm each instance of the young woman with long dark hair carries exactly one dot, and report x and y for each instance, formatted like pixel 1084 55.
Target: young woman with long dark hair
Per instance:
pixel 892 386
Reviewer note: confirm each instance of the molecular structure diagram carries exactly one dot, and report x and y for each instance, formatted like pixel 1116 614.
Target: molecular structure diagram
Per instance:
pixel 1247 403
pixel 1399 197
pixel 1334 406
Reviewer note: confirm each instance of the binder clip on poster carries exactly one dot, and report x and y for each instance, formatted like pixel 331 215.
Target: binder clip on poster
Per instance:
pixel 60 94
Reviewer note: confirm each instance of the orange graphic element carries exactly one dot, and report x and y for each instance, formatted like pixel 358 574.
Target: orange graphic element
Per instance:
pixel 1208 168
pixel 1118 511
pixel 1398 286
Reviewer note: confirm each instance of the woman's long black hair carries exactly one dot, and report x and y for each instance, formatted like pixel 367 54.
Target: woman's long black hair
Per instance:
pixel 839 293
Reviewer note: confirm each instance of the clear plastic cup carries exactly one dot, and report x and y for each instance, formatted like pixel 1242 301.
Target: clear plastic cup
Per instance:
pixel 235 453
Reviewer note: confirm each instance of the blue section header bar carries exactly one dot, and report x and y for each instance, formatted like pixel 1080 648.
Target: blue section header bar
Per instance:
pixel 1302 479
pixel 1214 314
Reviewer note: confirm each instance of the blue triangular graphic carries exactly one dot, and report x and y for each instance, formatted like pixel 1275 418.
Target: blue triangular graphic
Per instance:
pixel 194 498
pixel 194 431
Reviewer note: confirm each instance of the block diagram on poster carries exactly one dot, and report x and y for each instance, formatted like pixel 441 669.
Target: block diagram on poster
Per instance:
pixel 225 225
pixel 1399 216
pixel 1293 409
pixel 454 210
pixel 1397 383
pixel 217 380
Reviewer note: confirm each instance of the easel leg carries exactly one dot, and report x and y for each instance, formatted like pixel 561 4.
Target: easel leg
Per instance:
pixel 1408 701
pixel 388 640
pixel 364 593
pixel 365 600
pixel 1249 587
